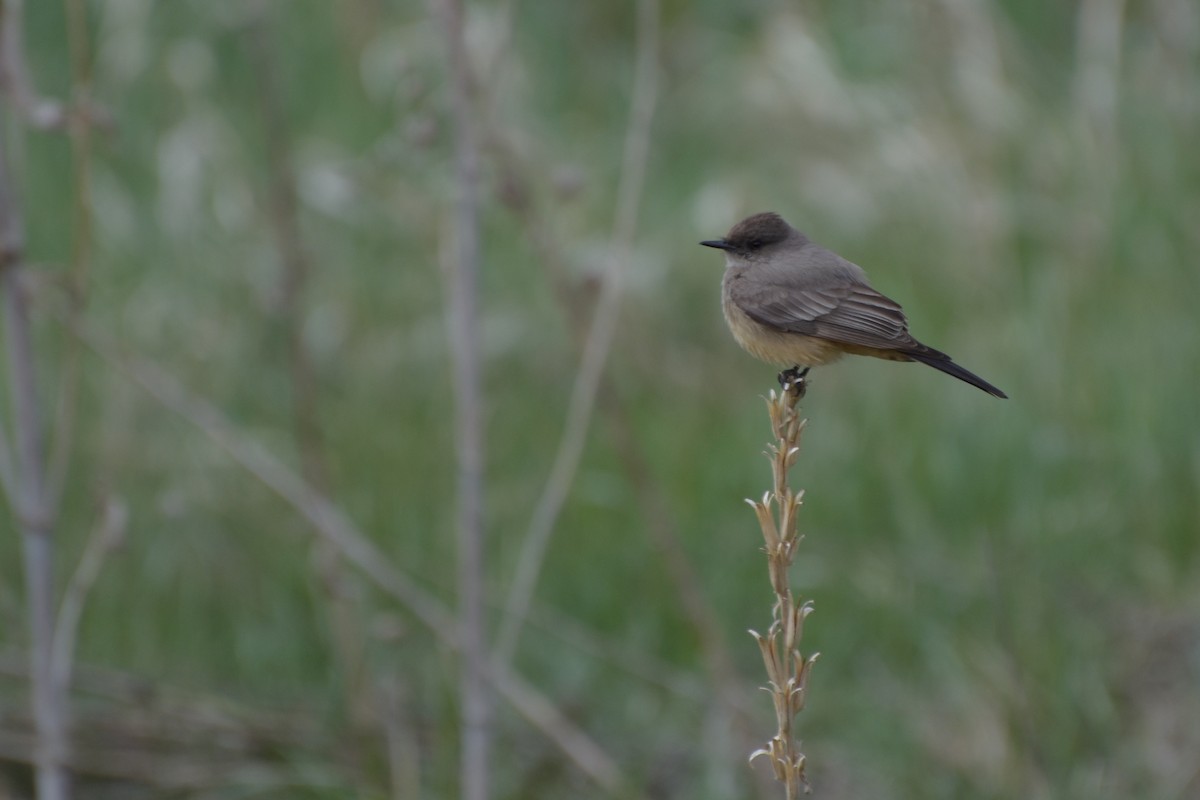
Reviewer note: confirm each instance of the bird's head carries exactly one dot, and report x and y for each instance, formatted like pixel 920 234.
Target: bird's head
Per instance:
pixel 754 234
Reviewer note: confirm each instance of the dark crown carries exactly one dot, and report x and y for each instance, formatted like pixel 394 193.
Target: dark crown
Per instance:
pixel 759 230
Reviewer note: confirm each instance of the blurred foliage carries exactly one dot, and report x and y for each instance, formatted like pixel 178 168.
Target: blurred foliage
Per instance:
pixel 1006 592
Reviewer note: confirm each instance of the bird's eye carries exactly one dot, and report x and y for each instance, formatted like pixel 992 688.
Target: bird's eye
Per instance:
pixel 756 243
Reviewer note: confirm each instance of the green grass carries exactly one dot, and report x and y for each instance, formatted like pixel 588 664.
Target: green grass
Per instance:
pixel 1005 591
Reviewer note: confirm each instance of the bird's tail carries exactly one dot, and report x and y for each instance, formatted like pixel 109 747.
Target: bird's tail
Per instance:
pixel 942 362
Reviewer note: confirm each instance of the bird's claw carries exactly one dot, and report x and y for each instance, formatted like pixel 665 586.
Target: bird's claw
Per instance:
pixel 794 381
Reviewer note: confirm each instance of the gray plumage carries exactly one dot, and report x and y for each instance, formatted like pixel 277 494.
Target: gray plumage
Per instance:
pixel 790 301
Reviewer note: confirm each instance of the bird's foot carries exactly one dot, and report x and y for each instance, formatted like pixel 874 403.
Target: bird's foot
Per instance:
pixel 794 381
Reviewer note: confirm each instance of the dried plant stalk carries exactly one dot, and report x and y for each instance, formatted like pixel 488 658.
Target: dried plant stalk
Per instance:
pixel 787 668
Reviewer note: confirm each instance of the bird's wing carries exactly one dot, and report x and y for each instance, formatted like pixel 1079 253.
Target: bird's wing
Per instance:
pixel 843 311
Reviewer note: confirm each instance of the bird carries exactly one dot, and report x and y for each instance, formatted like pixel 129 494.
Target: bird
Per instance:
pixel 788 300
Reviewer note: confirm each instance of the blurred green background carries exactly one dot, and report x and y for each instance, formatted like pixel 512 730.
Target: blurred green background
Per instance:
pixel 1007 592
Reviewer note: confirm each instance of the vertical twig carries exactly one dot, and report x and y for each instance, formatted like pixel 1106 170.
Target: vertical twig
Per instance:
pixel 15 82
pixel 787 668
pixel 404 765
pixel 80 118
pixel 33 482
pixel 463 322
pixel 295 266
pixel 107 536
pixel 35 516
pixel 344 619
pixel 1097 97
pixel 600 337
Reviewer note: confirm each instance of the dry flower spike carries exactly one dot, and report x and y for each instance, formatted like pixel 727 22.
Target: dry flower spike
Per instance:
pixel 787 668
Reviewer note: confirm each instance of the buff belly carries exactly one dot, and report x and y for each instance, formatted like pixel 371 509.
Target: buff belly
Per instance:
pixel 778 347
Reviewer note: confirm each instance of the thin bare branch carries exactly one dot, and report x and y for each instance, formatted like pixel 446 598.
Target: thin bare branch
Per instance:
pixel 331 522
pixel 404 764
pixel 295 265
pixel 327 518
pixel 8 478
pixel 522 199
pixel 600 337
pixel 463 321
pixel 35 517
pixel 79 128
pixel 539 711
pixel 38 111
pixel 107 536
pixel 342 613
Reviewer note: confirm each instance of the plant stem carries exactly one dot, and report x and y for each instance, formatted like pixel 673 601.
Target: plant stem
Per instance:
pixel 787 668
pixel 463 311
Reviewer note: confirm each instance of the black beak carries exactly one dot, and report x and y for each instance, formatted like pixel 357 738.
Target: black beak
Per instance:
pixel 720 244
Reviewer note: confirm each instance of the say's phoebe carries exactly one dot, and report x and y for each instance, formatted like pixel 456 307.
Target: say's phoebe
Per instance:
pixel 790 301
